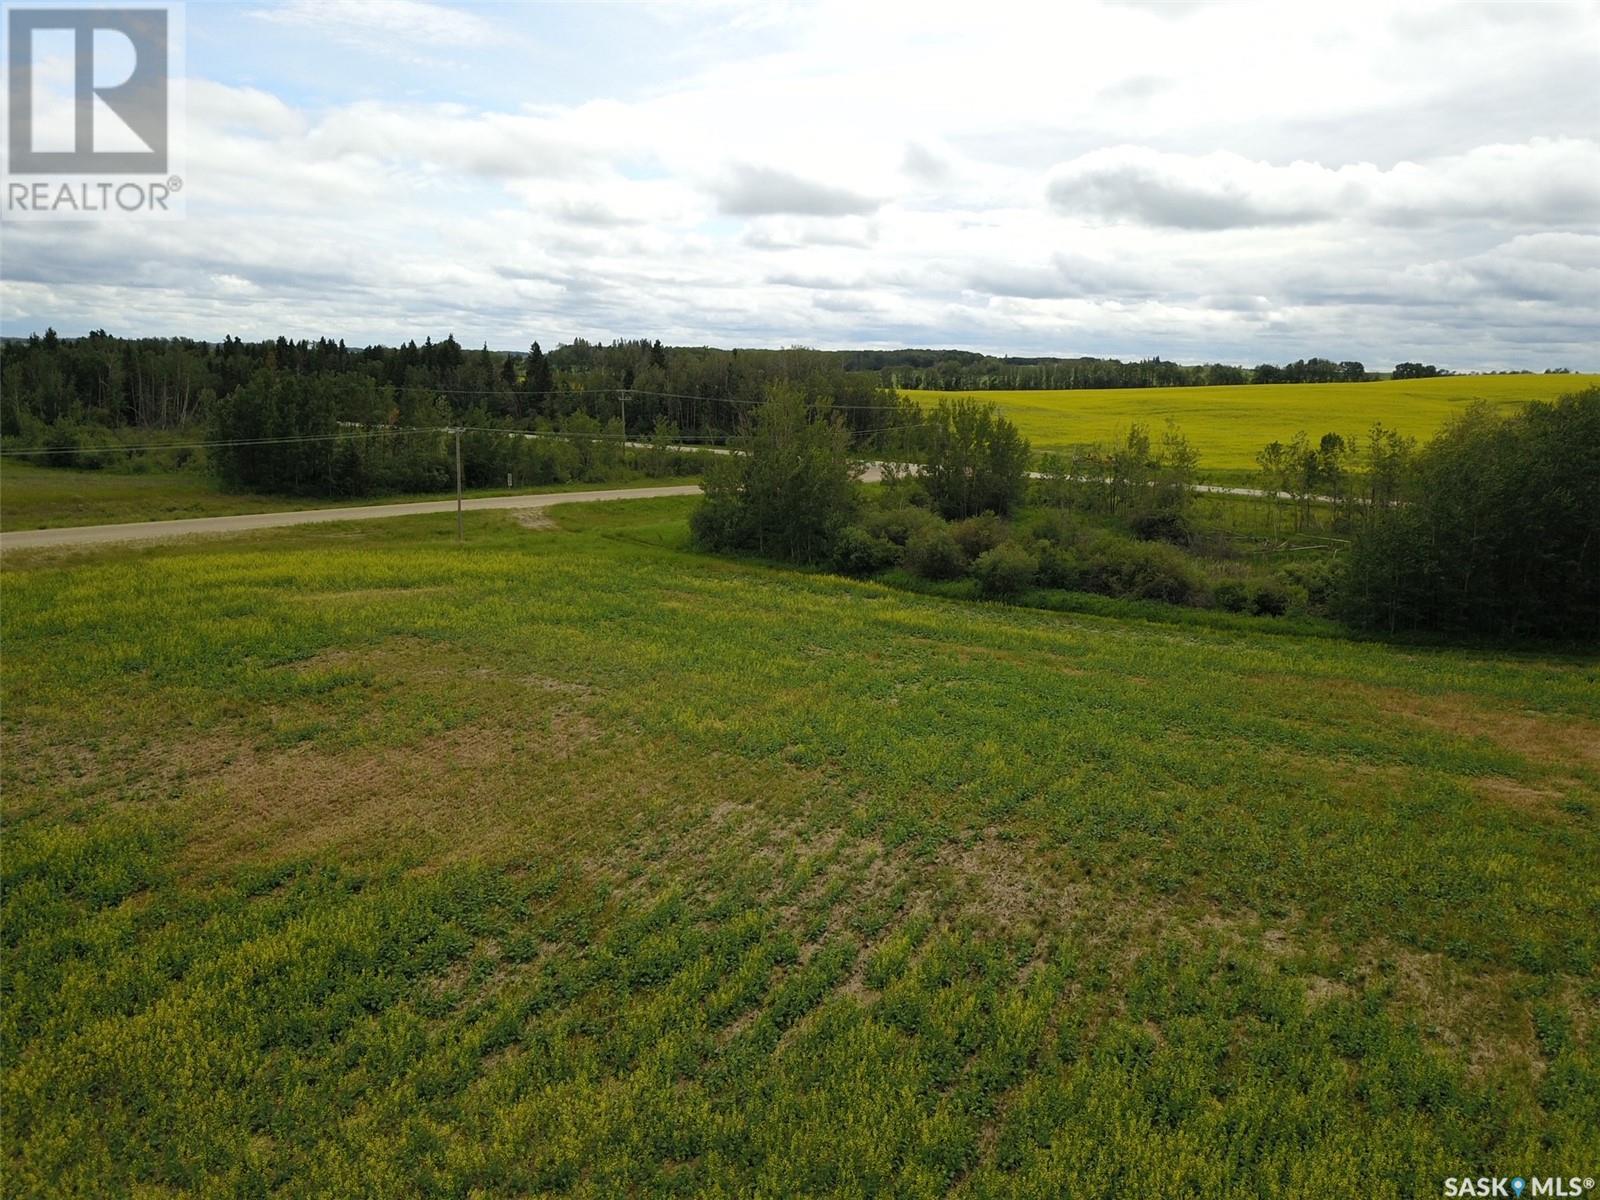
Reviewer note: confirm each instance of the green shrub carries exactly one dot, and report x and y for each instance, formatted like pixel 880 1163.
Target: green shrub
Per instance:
pixel 1270 598
pixel 1231 595
pixel 1007 570
pixel 1319 578
pixel 899 523
pixel 1141 570
pixel 81 447
pixel 1058 567
pixel 858 552
pixel 1058 527
pixel 978 535
pixel 933 553
pixel 720 522
pixel 1211 543
pixel 905 488
pixel 1162 525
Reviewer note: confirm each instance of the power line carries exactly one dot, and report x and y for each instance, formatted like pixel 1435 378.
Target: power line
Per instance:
pixel 622 391
pixel 278 441
pixel 682 440
pixel 326 437
pixel 602 436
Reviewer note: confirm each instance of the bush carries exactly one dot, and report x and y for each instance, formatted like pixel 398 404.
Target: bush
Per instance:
pixel 1231 596
pixel 1162 525
pixel 1318 578
pixel 1141 570
pixel 1058 527
pixel 661 462
pixel 1058 568
pixel 1212 544
pixel 62 443
pixel 978 535
pixel 719 524
pixel 858 552
pixel 1007 570
pixel 1269 599
pixel 80 447
pixel 904 487
pixel 934 554
pixel 899 523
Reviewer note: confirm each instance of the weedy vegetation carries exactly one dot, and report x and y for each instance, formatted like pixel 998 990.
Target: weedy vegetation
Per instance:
pixel 347 861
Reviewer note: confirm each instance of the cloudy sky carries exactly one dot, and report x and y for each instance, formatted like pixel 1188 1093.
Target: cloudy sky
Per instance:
pixel 1241 182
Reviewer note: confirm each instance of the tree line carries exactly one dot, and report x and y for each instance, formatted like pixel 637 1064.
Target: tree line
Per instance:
pixel 1490 530
pixel 320 418
pixel 113 383
pixel 102 381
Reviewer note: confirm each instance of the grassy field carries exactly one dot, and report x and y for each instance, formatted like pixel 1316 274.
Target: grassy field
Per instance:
pixel 571 862
pixel 1228 425
pixel 35 497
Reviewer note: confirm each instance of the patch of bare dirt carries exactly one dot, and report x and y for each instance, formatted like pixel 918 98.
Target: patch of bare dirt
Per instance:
pixel 1497 787
pixel 1543 738
pixel 534 518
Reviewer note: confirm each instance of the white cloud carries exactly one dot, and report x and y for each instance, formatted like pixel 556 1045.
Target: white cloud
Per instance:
pixel 377 25
pixel 1552 181
pixel 754 191
pixel 1024 184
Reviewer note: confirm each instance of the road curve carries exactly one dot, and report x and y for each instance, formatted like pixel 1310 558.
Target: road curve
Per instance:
pixel 144 531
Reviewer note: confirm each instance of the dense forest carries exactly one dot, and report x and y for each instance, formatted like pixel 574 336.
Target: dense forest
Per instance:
pixel 105 382
pixel 172 383
pixel 165 382
pixel 957 370
pixel 320 418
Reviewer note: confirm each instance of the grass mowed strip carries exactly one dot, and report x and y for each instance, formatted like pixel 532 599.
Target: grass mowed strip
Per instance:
pixel 1229 425
pixel 38 497
pixel 345 861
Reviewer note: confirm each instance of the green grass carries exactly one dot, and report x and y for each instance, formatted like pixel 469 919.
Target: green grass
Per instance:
pixel 1228 425
pixel 35 497
pixel 572 862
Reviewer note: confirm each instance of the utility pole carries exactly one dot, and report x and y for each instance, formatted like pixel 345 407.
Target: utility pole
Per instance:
pixel 458 485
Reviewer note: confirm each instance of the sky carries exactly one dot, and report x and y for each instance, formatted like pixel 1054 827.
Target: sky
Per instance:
pixel 1232 182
